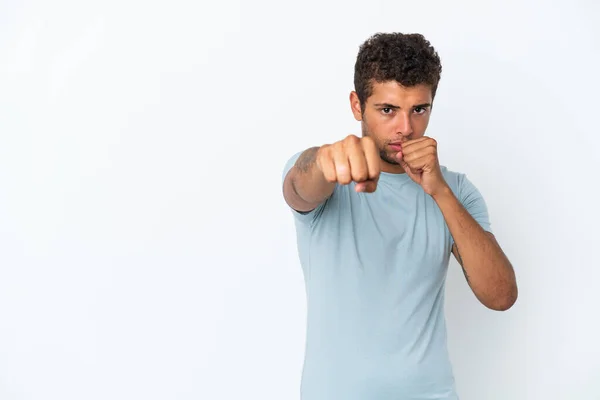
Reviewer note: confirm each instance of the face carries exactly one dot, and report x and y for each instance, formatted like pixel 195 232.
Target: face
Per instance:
pixel 392 115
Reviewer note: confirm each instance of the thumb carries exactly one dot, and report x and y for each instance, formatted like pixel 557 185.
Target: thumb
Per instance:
pixel 404 165
pixel 399 157
pixel 408 169
pixel 367 186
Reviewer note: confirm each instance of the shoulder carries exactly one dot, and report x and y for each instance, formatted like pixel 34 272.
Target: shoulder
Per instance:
pixel 453 178
pixel 460 184
pixel 469 196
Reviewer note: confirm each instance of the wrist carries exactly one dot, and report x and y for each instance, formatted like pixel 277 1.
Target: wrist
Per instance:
pixel 443 193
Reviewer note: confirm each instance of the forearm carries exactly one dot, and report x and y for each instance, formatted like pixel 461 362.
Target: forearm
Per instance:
pixel 306 184
pixel 487 269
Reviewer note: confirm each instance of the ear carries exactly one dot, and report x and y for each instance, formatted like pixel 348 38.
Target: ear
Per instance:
pixel 355 106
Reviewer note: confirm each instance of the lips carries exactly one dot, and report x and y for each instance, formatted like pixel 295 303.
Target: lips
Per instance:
pixel 396 146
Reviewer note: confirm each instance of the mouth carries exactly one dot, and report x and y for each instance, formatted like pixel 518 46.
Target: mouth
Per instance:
pixel 396 146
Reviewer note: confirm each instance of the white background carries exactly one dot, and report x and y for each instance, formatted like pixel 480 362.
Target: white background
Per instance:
pixel 146 251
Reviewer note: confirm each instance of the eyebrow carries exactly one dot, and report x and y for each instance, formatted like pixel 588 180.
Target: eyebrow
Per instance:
pixel 387 105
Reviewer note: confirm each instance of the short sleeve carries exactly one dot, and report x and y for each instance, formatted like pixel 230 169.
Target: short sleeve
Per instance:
pixel 471 198
pixel 305 217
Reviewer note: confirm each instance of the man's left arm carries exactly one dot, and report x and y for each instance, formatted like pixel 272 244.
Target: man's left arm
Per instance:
pixel 487 269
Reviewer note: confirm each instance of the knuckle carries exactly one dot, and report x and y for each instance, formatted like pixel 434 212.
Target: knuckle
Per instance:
pixel 327 169
pixel 342 174
pixel 368 140
pixel 336 150
pixel 341 169
pixel 368 145
pixel 340 149
pixel 351 140
pixel 360 175
pixel 344 180
pixel 325 152
pixel 330 178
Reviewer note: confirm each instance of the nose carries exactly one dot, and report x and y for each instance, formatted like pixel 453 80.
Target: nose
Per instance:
pixel 404 126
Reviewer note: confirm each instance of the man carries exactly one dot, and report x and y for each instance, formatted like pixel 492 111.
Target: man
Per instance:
pixel 376 220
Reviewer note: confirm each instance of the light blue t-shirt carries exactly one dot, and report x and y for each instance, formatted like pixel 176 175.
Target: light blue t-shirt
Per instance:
pixel 374 267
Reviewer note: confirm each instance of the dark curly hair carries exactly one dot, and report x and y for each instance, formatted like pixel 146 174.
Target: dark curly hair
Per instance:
pixel 407 58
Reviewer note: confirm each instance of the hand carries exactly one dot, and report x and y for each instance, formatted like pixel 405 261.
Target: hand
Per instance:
pixel 353 159
pixel 420 161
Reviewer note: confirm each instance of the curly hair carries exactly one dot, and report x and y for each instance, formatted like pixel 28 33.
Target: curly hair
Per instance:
pixel 409 59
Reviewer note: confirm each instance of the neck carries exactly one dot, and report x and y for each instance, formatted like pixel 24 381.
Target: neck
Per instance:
pixel 391 168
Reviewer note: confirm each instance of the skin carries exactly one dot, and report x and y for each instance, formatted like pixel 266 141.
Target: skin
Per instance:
pixel 397 114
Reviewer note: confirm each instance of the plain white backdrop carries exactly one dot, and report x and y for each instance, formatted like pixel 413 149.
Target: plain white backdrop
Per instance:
pixel 146 251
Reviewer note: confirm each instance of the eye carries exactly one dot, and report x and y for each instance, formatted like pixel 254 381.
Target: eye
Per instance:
pixel 420 110
pixel 387 110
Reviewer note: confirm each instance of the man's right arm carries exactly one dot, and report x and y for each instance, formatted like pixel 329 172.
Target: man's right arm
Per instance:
pixel 305 186
pixel 317 170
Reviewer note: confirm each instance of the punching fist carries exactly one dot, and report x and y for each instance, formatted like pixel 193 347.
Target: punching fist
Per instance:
pixel 353 159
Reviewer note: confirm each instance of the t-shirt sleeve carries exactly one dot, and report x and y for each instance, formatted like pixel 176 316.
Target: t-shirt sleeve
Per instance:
pixel 298 215
pixel 471 198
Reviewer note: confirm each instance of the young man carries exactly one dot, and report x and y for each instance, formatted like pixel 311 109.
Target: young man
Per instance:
pixel 376 220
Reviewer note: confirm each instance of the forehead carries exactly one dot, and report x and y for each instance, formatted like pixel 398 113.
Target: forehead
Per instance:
pixel 392 92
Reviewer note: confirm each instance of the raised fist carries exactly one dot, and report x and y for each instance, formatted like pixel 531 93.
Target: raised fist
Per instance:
pixel 352 159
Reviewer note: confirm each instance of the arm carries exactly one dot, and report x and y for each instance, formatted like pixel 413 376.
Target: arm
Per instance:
pixel 318 170
pixel 489 273
pixel 305 186
pixel 487 269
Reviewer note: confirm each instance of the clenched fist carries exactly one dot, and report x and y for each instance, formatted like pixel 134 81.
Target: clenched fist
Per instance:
pixel 419 159
pixel 353 159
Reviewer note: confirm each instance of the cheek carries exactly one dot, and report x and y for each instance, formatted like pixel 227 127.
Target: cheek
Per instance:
pixel 379 126
pixel 420 125
pixel 381 129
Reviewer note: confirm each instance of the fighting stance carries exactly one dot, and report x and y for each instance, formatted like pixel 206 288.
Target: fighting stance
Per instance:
pixel 377 218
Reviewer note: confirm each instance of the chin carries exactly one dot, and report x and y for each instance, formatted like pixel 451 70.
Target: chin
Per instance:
pixel 388 158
